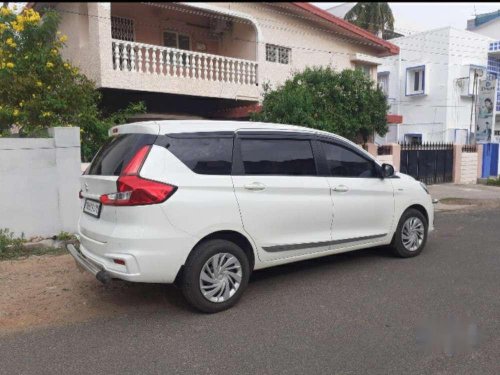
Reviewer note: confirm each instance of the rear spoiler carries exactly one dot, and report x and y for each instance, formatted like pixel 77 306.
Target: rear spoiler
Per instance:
pixel 146 127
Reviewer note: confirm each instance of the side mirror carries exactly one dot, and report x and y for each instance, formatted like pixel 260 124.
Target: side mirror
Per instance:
pixel 387 170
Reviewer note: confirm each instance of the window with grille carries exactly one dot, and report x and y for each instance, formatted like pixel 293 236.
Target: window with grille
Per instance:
pixel 278 54
pixel 122 28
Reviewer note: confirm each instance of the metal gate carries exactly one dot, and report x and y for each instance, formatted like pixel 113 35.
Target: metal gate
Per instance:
pixel 431 163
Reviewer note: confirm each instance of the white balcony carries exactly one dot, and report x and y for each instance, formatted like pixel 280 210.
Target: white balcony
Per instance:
pixel 139 58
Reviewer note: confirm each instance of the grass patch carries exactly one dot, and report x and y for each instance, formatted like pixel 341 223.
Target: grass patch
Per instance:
pixel 12 247
pixel 493 181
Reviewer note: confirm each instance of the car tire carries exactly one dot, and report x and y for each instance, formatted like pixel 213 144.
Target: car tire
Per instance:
pixel 215 275
pixel 411 234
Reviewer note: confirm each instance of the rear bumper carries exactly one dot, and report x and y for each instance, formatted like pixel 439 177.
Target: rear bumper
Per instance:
pixel 82 261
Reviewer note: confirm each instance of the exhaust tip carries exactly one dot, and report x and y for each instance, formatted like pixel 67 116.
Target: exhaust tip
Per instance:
pixel 103 277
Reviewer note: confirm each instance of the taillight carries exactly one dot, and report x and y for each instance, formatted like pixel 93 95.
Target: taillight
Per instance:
pixel 133 190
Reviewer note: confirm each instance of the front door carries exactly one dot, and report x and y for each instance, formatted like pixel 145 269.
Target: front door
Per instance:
pixel 363 203
pixel 285 206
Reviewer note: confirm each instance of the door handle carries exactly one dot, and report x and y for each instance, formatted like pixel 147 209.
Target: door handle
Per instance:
pixel 340 188
pixel 255 186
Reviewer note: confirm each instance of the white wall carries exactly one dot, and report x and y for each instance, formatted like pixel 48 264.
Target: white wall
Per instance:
pixel 446 54
pixel 490 29
pixel 40 183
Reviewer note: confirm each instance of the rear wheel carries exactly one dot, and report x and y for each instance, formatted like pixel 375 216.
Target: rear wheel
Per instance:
pixel 215 275
pixel 411 234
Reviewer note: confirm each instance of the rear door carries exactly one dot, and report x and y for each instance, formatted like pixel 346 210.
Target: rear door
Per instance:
pixel 363 203
pixel 97 221
pixel 285 206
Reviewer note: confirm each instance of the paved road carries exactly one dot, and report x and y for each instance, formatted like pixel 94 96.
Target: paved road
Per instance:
pixel 355 313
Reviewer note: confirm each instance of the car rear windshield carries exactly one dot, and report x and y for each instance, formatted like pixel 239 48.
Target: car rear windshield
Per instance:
pixel 117 152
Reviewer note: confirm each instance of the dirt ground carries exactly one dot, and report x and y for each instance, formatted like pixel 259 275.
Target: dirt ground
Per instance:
pixel 47 290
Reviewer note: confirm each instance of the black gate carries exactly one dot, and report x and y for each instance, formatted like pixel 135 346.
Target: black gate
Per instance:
pixel 431 163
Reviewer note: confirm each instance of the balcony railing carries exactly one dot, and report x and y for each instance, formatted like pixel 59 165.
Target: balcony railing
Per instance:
pixel 164 61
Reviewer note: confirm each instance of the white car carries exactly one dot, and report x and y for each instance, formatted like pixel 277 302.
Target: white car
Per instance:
pixel 204 203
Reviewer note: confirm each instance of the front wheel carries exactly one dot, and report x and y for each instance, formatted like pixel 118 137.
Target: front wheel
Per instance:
pixel 411 234
pixel 215 275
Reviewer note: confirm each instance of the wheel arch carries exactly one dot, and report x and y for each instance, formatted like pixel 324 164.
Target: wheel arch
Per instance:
pixel 230 235
pixel 419 208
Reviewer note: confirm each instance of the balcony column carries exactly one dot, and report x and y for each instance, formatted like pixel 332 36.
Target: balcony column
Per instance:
pixel 100 35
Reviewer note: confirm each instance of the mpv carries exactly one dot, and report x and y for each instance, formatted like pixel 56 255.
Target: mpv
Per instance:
pixel 204 203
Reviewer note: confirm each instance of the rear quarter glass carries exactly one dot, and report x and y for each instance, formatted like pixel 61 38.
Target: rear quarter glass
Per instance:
pixel 117 152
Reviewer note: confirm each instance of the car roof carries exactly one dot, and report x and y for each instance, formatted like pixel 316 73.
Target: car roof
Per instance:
pixel 201 126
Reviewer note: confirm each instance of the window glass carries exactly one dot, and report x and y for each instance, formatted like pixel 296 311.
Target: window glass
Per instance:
pixel 184 42
pixel 204 155
pixel 343 162
pixel 170 39
pixel 287 157
pixel 117 152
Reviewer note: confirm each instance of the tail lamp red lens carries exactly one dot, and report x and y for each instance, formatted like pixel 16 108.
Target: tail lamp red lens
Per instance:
pixel 133 190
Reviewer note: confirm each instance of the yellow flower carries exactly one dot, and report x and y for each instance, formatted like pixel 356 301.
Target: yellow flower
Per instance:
pixel 50 65
pixel 10 42
pixel 39 84
pixel 46 114
pixel 53 51
pixel 63 38
pixel 16 112
pixel 33 95
pixel 9 65
pixel 21 104
pixel 66 65
pixel 17 26
pixel 4 11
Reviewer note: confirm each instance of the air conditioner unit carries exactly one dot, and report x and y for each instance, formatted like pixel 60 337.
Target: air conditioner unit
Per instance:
pixel 463 86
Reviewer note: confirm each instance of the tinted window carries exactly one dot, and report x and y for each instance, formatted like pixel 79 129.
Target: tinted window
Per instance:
pixel 343 162
pixel 287 157
pixel 117 152
pixel 204 155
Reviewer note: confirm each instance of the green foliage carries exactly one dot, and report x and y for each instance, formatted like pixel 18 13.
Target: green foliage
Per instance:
pixel 346 103
pixel 493 181
pixel 39 89
pixel 9 244
pixel 65 236
pixel 374 17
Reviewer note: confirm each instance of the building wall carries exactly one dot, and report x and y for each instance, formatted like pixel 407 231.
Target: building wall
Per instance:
pixel 442 114
pixel 490 29
pixel 40 183
pixel 310 44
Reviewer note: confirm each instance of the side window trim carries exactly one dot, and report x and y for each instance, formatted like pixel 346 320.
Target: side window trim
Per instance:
pixel 238 168
pixel 348 147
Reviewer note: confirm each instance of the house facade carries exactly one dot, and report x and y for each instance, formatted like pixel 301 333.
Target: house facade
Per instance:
pixel 207 60
pixel 430 84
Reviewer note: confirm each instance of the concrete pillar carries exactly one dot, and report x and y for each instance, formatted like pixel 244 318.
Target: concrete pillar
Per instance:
pixel 372 149
pixel 479 160
pixel 396 156
pixel 68 172
pixel 457 163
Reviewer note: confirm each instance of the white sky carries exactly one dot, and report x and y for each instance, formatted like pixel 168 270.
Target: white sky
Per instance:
pixel 428 16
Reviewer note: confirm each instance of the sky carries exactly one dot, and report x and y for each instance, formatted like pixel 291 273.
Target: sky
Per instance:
pixel 428 16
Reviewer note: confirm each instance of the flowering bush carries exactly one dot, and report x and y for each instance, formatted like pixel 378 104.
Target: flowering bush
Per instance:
pixel 39 89
pixel 346 103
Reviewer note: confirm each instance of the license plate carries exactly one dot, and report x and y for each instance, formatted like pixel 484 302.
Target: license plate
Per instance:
pixel 91 207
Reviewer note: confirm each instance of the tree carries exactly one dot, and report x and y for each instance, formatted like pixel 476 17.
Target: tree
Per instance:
pixel 346 103
pixel 377 18
pixel 39 89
